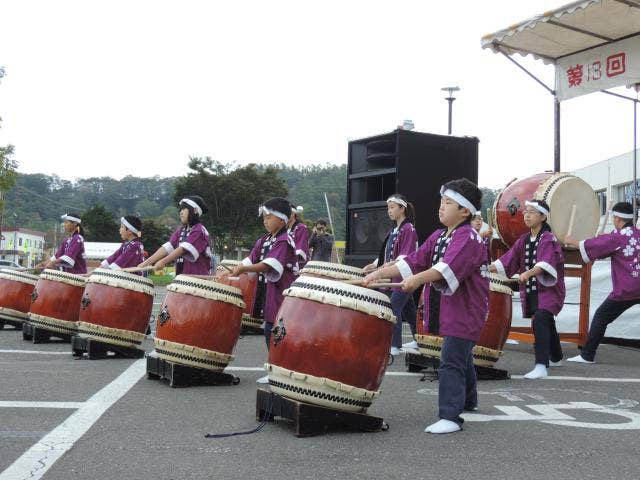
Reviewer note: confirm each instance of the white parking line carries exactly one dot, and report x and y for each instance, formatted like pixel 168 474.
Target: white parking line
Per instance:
pixel 16 404
pixel 35 352
pixel 35 462
pixel 586 379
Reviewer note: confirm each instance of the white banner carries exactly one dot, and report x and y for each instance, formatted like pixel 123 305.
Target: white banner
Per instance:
pixel 612 65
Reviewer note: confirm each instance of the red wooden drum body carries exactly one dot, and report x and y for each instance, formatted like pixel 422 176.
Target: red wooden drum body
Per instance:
pixel 334 271
pixel 55 301
pixel 488 348
pixel 199 323
pixel 330 344
pixel 116 307
pixel 561 191
pixel 247 284
pixel 15 294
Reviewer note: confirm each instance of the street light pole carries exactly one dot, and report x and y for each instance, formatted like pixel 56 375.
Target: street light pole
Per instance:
pixel 450 99
pixel 15 235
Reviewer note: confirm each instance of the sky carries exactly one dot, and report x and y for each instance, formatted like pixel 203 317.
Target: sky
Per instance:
pixel 135 87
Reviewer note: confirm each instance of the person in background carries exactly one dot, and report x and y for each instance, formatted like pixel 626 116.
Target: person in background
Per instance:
pixel 321 242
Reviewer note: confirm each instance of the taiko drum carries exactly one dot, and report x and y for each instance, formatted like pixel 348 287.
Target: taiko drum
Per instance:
pixel 15 294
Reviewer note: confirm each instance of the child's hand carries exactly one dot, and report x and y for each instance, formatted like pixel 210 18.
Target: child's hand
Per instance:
pixel 369 268
pixel 411 283
pixel 237 270
pixel 371 278
pixel 524 277
pixel 492 268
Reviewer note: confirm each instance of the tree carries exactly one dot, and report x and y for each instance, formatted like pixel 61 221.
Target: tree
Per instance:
pixel 8 168
pixel 154 235
pixel 233 196
pixel 488 198
pixel 99 225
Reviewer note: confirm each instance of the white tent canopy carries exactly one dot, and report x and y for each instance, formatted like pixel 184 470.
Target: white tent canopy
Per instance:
pixel 575 27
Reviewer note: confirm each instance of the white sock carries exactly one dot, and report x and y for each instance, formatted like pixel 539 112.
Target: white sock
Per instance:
pixel 539 371
pixel 443 426
pixel 555 364
pixel 578 359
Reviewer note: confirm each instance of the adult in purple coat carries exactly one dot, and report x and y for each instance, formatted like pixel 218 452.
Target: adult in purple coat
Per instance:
pixel 70 256
pixel 401 241
pixel 622 245
pixel 453 261
pixel 131 251
pixel 537 256
pixel 189 246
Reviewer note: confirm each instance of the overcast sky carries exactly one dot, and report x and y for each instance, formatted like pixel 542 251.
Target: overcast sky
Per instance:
pixel 135 87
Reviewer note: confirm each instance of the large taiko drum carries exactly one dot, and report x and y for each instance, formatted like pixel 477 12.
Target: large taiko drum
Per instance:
pixel 199 323
pixel 55 301
pixel 488 348
pixel 561 191
pixel 116 307
pixel 15 295
pixel 334 271
pixel 330 344
pixel 246 282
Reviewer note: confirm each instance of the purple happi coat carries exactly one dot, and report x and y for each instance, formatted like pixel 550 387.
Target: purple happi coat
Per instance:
pixel 129 254
pixel 300 235
pixel 401 241
pixel 623 246
pixel 71 252
pixel 459 301
pixel 196 260
pixel 279 253
pixel 547 290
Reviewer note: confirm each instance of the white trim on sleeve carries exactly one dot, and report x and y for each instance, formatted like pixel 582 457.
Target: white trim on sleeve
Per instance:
pixel 104 264
pixel 550 271
pixel 276 271
pixel 583 252
pixel 68 259
pixel 191 249
pixel 114 266
pixel 246 261
pixel 404 268
pixel 449 277
pixel 300 253
pixel 500 268
pixel 168 247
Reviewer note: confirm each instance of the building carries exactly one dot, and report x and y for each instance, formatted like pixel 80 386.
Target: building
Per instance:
pixel 612 180
pixel 22 245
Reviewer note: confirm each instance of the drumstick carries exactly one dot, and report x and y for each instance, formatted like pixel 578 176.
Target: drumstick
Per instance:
pixel 358 281
pixel 138 269
pixel 605 220
pixel 385 285
pixel 225 267
pixel 571 220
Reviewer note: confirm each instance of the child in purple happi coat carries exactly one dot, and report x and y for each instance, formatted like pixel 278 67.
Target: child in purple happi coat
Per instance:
pixel 453 261
pixel 189 245
pixel 70 256
pixel 622 245
pixel 131 252
pixel 538 259
pixel 401 241
pixel 273 258
pixel 300 235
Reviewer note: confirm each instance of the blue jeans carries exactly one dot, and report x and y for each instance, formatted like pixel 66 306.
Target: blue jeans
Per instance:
pixel 458 383
pixel 404 309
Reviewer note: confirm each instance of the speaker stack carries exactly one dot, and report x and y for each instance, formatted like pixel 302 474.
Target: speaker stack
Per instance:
pixel 412 163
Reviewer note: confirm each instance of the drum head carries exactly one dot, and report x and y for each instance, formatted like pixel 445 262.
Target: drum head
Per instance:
pixel 119 279
pixel 16 276
pixel 64 277
pixel 333 270
pixel 207 289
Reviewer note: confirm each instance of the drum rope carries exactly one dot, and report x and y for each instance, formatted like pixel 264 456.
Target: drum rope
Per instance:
pixel 263 422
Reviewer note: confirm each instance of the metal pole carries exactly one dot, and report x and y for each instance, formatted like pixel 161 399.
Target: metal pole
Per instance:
pixel 556 134
pixel 15 233
pixel 450 100
pixel 635 164
pixel 326 201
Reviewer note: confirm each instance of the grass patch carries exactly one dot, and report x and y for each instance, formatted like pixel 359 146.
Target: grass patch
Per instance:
pixel 159 280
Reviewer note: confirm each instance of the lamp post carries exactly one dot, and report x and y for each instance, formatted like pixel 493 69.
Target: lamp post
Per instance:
pixel 15 235
pixel 450 99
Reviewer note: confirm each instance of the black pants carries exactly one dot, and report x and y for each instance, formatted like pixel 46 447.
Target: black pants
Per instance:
pixel 547 340
pixel 457 390
pixel 606 313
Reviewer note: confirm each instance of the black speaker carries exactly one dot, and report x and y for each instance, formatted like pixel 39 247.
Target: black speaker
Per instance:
pixel 414 164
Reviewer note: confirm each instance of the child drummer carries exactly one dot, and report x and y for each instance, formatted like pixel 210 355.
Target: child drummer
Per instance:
pixel 273 258
pixel 453 261
pixel 623 246
pixel 70 256
pixel 300 235
pixel 131 252
pixel 537 256
pixel 189 245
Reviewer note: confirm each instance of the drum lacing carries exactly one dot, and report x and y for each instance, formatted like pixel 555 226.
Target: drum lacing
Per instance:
pixel 310 268
pixel 552 184
pixel 141 280
pixel 19 275
pixel 319 395
pixel 209 288
pixel 342 293
pixel 182 356
pixel 63 276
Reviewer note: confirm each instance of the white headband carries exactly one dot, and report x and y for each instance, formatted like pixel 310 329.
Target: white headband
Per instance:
pixel 458 198
pixel 130 227
pixel 627 216
pixel 193 204
pixel 397 200
pixel 478 214
pixel 297 210
pixel 540 208
pixel 71 218
pixel 266 211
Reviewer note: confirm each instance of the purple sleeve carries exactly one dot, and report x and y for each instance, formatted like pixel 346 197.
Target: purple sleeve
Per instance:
pixel 172 244
pixel 73 251
pixel 301 238
pixel 129 257
pixel 277 260
pixel 112 258
pixel 407 241
pixel 419 260
pixel 196 242
pixel 509 263
pixel 254 255
pixel 548 257
pixel 60 250
pixel 601 247
pixel 463 256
